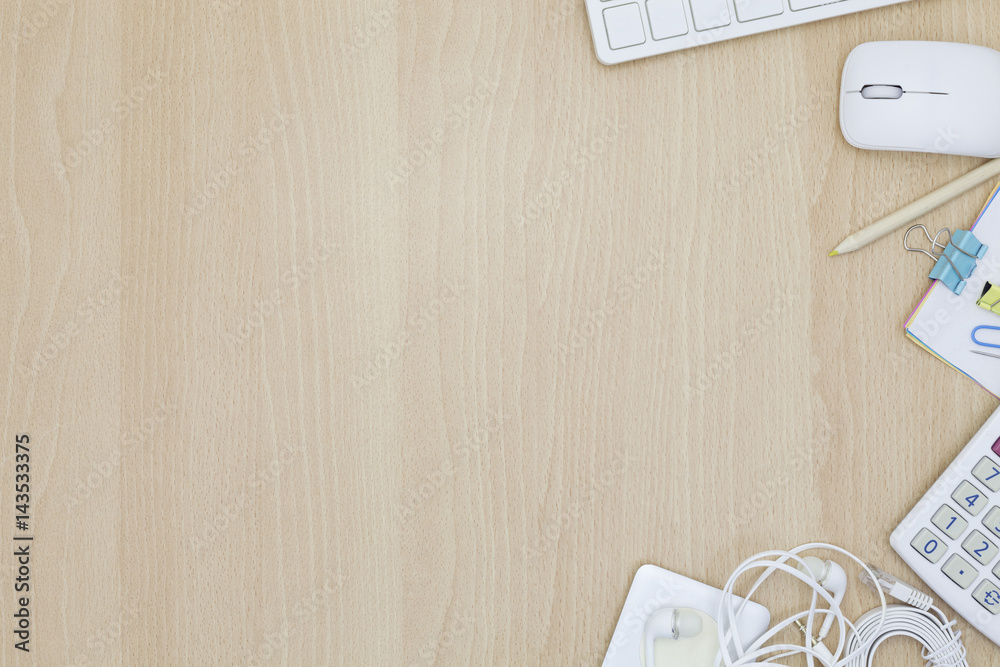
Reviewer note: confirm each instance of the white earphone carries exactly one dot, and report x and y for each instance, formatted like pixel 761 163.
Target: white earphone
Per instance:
pixel 832 578
pixel 917 619
pixel 669 623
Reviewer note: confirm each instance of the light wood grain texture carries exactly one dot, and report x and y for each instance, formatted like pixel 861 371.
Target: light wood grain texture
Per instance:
pixel 382 333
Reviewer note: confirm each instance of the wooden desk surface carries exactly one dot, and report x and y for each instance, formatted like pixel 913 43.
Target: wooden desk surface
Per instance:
pixel 368 333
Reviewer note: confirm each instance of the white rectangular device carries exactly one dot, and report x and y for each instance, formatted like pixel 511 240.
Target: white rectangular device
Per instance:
pixel 627 30
pixel 950 538
pixel 654 588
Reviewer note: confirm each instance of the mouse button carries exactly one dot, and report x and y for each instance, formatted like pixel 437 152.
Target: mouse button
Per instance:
pixel 861 128
pixel 888 125
pixel 857 67
pixel 950 68
pixel 902 64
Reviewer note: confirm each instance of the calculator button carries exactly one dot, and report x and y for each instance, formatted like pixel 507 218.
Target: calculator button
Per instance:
pixel 959 571
pixel 951 524
pixel 988 595
pixel 980 548
pixel 988 473
pixel 928 545
pixel 969 498
pixel 992 521
pixel 624 24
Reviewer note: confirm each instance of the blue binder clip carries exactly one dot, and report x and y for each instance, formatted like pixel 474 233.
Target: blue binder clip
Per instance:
pixel 956 259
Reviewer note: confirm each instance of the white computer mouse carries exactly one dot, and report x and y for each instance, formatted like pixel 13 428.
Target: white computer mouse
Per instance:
pixel 928 97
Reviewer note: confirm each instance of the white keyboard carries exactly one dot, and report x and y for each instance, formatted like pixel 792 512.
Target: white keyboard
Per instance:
pixel 950 538
pixel 631 29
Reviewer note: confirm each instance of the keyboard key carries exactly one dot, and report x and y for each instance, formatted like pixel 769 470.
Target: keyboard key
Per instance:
pixel 959 571
pixel 988 595
pixel 624 24
pixel 928 545
pixel 714 21
pixel 807 4
pixel 666 18
pixel 980 548
pixel 988 473
pixel 710 14
pixel 751 10
pixel 969 498
pixel 951 524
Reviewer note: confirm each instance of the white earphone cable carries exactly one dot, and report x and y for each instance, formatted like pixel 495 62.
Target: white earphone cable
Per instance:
pixel 858 642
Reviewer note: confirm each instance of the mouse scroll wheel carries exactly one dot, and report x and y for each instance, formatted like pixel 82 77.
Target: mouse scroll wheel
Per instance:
pixel 881 92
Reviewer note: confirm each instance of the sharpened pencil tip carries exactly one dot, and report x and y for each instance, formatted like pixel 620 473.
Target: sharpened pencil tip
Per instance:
pixel 833 253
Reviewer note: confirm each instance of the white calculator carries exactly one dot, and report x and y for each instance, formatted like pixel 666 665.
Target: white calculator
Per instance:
pixel 951 537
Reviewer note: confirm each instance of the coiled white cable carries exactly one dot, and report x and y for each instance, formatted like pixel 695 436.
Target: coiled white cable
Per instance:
pixel 942 643
pixel 918 619
pixel 858 642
